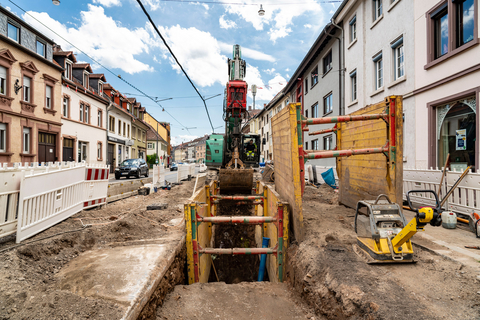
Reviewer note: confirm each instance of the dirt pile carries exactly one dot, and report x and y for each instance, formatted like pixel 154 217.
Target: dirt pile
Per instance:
pixel 27 274
pixel 328 274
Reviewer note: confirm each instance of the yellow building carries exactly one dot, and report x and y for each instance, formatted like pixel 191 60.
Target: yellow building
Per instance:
pixel 163 128
pixel 30 94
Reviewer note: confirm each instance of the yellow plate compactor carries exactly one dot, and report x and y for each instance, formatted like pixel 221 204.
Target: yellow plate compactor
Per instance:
pixel 383 234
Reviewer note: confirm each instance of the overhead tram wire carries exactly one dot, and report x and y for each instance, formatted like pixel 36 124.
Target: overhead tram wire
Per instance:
pixel 173 55
pixel 252 4
pixel 128 83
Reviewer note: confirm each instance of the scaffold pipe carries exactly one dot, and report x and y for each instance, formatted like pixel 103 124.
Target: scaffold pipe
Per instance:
pixel 343 153
pixel 322 131
pixel 237 219
pixel 214 196
pixel 345 119
pixel 245 251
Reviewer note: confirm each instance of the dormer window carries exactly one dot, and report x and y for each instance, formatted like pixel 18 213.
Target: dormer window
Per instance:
pixel 13 32
pixel 100 87
pixel 41 48
pixel 85 79
pixel 68 70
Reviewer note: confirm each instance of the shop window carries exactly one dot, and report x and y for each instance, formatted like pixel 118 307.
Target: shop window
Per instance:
pixel 457 134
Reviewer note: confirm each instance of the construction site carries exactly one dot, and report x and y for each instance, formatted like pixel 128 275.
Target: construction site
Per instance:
pixel 282 249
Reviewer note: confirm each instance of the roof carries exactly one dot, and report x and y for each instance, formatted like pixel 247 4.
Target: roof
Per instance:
pixel 82 89
pixel 82 66
pixel 152 135
pixel 132 100
pixel 100 76
pixel 107 86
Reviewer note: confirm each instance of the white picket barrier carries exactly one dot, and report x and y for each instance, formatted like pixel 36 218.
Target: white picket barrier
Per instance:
pixel 465 199
pixel 184 170
pixel 159 175
pixel 202 168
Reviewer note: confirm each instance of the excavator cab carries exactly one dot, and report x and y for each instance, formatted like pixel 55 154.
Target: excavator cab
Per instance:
pixel 251 150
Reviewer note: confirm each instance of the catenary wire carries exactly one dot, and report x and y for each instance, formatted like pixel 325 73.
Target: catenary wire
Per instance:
pixel 100 64
pixel 173 55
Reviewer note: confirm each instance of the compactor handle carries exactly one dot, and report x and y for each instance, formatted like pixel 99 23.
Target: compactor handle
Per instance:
pixel 436 209
pixel 384 196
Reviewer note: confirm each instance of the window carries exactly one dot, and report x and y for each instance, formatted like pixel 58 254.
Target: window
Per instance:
pixel 306 113
pixel 378 61
pixel 377 9
pixel 66 109
pixel 315 110
pixel 81 112
pixel 26 89
pixel 99 118
pixel 327 142
pixel 306 145
pixel 26 140
pixel 315 144
pixel 48 97
pixel 13 32
pixel 134 132
pixel 3 137
pixel 306 85
pixel 327 62
pixel 3 80
pixel 124 131
pixel 353 81
pixel 87 114
pixel 82 151
pixel 41 48
pixel 143 136
pixel 100 87
pixel 441 32
pixel 399 62
pixel 85 80
pixel 353 29
pixel 150 145
pixel 328 104
pixel 68 70
pixel 464 21
pixel 314 76
pixel 128 131
pixel 119 127
pixel 99 151
pixel 111 124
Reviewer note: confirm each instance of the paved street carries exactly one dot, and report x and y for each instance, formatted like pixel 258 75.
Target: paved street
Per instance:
pixel 170 176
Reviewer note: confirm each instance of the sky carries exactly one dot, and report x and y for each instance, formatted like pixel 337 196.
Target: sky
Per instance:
pixel 201 34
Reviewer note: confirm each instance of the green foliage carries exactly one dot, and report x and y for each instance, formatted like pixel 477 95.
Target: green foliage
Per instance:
pixel 151 159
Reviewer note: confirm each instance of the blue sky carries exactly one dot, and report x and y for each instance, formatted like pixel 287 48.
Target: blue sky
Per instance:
pixel 201 34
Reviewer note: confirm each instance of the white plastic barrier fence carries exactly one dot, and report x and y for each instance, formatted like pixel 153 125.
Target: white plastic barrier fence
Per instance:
pixel 43 195
pixel 159 175
pixel 202 168
pixel 465 199
pixel 185 170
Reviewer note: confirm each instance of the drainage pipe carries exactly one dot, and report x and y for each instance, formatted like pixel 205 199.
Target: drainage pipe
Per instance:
pixel 263 259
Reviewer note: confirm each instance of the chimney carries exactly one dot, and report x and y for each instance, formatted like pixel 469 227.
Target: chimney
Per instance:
pixel 249 108
pixel 264 105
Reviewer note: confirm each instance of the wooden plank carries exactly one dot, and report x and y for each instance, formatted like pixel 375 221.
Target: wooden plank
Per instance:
pixel 364 177
pixel 287 166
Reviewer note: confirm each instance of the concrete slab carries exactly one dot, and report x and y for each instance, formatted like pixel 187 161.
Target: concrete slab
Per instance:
pixel 125 276
pixel 246 300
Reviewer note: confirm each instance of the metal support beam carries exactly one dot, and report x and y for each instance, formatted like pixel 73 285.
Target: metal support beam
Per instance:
pixel 237 251
pixel 237 219
pixel 344 153
pixel 345 119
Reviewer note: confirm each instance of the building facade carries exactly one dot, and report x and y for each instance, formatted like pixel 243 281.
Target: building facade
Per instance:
pixel 156 145
pixel 30 94
pixel 84 109
pixel 447 83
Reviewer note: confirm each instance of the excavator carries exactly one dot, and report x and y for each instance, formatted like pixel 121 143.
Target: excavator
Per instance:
pixel 234 154
pixel 383 234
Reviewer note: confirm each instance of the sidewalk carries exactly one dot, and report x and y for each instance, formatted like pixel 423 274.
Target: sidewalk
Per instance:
pixel 449 243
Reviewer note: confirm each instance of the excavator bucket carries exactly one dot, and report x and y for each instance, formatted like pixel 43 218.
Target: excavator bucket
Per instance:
pixel 236 181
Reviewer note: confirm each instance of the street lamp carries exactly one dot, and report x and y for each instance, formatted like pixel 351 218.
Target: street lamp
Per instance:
pixel 261 12
pixel 254 92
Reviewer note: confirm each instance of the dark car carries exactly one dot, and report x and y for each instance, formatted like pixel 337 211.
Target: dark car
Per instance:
pixel 132 167
pixel 174 167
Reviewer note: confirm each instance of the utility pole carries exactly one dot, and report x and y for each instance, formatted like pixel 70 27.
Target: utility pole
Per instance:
pixel 157 142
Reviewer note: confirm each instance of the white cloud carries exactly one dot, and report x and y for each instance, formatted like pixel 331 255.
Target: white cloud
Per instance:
pixel 269 71
pixel 246 53
pixel 266 91
pixel 202 4
pixel 278 17
pixel 108 3
pixel 199 54
pixel 287 76
pixel 287 70
pixel 308 26
pixel 98 36
pixel 226 24
pixel 176 140
pixel 153 4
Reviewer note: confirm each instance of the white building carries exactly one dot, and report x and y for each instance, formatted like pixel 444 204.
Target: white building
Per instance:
pixel 84 132
pixel 161 150
pixel 379 47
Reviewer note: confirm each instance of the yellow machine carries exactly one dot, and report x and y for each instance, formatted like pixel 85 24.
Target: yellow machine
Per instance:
pixel 383 232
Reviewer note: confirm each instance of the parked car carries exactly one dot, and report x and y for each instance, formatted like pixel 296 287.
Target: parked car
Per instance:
pixel 174 167
pixel 131 167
